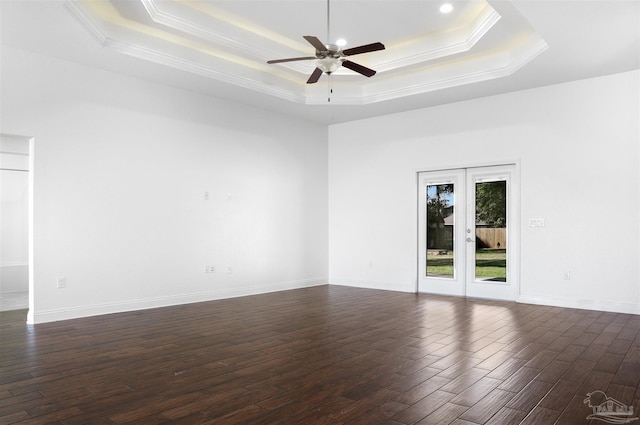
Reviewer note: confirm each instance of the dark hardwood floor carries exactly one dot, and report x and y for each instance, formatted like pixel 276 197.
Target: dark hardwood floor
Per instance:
pixel 323 355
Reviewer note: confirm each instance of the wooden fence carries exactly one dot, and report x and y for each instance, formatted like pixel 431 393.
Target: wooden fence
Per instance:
pixel 487 237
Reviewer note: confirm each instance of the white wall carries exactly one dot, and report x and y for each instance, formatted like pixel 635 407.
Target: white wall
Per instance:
pixel 121 167
pixel 577 145
pixel 120 171
pixel 14 192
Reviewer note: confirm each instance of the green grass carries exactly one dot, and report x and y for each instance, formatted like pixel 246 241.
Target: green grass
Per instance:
pixel 490 263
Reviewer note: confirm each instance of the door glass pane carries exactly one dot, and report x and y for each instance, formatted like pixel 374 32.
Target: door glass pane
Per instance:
pixel 440 230
pixel 491 231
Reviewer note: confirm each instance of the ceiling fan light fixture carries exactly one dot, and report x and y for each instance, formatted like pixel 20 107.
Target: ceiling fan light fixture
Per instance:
pixel 328 64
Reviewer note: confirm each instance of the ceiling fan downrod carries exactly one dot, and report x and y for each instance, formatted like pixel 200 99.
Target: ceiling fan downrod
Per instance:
pixel 329 57
pixel 328 26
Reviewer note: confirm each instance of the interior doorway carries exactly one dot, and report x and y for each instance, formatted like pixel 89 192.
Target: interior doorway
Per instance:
pixel 468 232
pixel 15 204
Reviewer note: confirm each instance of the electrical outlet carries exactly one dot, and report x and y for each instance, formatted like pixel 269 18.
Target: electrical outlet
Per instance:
pixel 61 282
pixel 567 275
pixel 209 269
pixel 229 270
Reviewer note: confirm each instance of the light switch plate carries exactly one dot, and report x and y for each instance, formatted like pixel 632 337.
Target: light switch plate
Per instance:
pixel 536 222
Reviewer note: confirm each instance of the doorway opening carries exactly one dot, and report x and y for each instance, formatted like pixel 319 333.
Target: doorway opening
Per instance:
pixel 15 223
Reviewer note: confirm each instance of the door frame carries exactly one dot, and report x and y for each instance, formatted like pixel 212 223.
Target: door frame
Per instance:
pixel 454 285
pixel 515 218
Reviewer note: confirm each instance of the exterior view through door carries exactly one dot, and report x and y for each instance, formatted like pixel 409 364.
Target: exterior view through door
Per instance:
pixel 467 232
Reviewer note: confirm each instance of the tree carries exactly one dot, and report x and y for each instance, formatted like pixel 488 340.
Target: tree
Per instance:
pixel 438 206
pixel 491 203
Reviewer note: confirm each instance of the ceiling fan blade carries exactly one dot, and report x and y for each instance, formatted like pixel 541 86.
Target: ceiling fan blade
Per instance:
pixel 315 43
pixel 292 59
pixel 315 76
pixel 367 72
pixel 363 49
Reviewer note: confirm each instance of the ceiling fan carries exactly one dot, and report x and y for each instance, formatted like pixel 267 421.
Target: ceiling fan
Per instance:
pixel 330 57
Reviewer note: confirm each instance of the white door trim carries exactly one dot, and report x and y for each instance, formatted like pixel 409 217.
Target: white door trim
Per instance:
pixel 514 218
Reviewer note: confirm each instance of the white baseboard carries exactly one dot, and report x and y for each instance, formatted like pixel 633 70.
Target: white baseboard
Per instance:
pixel 372 284
pixel 585 304
pixel 599 305
pixel 147 303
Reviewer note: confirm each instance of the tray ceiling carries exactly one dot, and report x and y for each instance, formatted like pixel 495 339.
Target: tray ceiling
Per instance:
pixel 220 48
pixel 231 41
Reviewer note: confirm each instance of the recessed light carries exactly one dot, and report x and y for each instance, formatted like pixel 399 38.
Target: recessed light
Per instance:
pixel 446 8
pixel 341 42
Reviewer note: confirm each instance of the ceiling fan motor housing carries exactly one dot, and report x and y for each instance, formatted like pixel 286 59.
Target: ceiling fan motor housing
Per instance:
pixel 332 51
pixel 329 59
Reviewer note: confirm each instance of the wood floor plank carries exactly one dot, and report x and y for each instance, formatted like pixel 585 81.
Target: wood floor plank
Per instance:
pixel 560 395
pixel 507 368
pixel 507 416
pixel 519 379
pixel 553 371
pixel 476 391
pixel 595 381
pixel 324 355
pixel 540 415
pixel 575 412
pixel 443 414
pixel 465 380
pixel 530 396
pixel 628 374
pixel 424 407
pixel 463 422
pixel 488 406
pixel 422 390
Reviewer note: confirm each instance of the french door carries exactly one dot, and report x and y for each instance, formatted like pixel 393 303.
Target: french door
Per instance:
pixel 467 232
